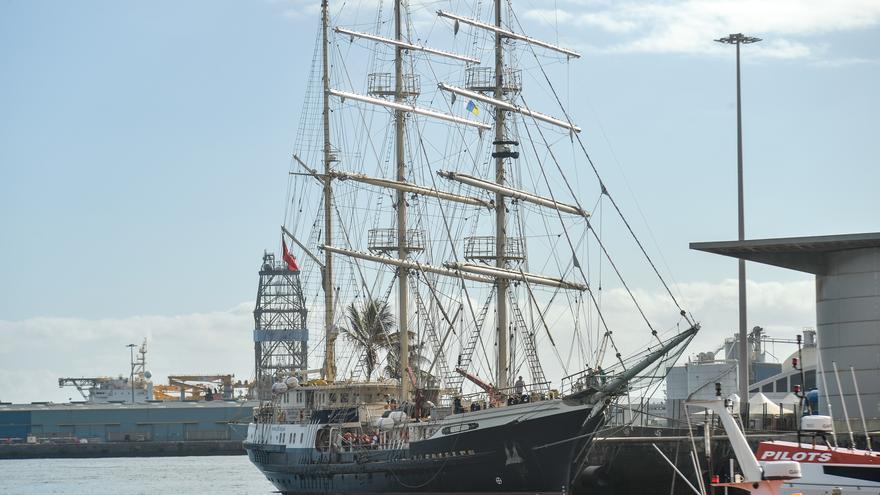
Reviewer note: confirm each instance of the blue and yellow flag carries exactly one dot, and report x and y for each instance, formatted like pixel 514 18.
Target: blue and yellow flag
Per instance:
pixel 472 108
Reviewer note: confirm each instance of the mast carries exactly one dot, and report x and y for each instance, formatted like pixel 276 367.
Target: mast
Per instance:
pixel 403 273
pixel 329 368
pixel 502 380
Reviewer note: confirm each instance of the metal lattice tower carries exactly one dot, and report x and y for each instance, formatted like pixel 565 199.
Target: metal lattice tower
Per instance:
pixel 280 333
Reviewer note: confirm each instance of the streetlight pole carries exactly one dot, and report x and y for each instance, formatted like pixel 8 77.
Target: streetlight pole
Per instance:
pixel 743 361
pixel 131 378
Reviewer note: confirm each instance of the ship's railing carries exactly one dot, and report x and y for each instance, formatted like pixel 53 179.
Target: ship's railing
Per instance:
pixel 293 415
pixel 529 388
pixel 384 240
pixel 355 440
pixel 483 79
pixel 532 392
pixel 265 413
pixel 276 412
pixel 264 416
pixel 382 84
pixel 482 248
pixel 466 402
pixel 585 380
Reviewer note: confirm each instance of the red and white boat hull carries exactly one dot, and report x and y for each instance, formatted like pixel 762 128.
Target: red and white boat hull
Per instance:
pixel 855 472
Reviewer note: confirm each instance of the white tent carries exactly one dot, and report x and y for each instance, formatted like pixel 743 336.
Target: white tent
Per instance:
pixel 734 399
pixel 790 402
pixel 760 404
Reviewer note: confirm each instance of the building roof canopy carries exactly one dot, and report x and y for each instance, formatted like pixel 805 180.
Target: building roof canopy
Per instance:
pixel 806 254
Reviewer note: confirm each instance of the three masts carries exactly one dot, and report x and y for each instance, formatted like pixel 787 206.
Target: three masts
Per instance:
pixel 506 260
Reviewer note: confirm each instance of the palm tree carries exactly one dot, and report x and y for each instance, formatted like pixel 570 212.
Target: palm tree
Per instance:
pixel 418 362
pixel 368 328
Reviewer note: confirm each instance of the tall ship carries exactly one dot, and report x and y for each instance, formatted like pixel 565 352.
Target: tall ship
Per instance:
pixel 452 241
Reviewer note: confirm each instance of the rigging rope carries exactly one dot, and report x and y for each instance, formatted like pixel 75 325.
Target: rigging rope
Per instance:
pixel 608 331
pixel 589 226
pixel 604 189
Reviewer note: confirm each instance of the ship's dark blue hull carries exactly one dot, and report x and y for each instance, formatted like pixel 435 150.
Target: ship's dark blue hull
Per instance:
pixel 523 455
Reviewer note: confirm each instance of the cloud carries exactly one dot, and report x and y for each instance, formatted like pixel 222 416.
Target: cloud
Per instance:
pixel 783 309
pixel 605 20
pixel 688 26
pixel 790 28
pixel 843 62
pixel 296 10
pixel 341 13
pixel 37 351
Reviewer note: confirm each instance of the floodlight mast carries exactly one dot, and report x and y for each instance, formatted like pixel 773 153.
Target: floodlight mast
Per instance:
pixel 743 360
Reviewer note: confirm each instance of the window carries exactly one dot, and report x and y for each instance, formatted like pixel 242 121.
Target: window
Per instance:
pixel 810 378
pixel 332 397
pixel 795 379
pixel 767 387
pixel 459 428
pixel 343 397
pixel 299 397
pixel 856 472
pixel 782 385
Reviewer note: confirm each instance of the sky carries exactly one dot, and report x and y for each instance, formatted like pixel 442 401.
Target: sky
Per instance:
pixel 144 151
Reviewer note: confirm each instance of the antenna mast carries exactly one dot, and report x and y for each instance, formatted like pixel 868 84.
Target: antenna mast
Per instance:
pixel 329 368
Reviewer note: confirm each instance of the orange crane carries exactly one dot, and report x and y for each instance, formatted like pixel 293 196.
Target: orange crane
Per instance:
pixel 193 387
pixel 494 394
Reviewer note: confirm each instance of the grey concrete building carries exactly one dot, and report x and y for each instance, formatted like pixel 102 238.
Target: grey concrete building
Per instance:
pixel 847 270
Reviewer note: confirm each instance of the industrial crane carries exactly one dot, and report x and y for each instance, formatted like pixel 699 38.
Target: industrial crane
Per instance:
pixel 193 387
pixel 82 384
pixel 494 394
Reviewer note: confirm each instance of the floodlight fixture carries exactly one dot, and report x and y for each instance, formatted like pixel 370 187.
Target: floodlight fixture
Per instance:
pixel 738 39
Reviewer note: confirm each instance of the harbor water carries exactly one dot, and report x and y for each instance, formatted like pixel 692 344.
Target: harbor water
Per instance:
pixel 220 475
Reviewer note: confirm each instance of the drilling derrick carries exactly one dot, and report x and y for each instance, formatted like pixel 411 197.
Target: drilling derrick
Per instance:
pixel 280 333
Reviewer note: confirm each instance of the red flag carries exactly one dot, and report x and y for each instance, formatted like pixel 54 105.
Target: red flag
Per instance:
pixel 289 258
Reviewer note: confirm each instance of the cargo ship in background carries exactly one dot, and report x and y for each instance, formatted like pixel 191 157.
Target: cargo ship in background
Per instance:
pixel 130 416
